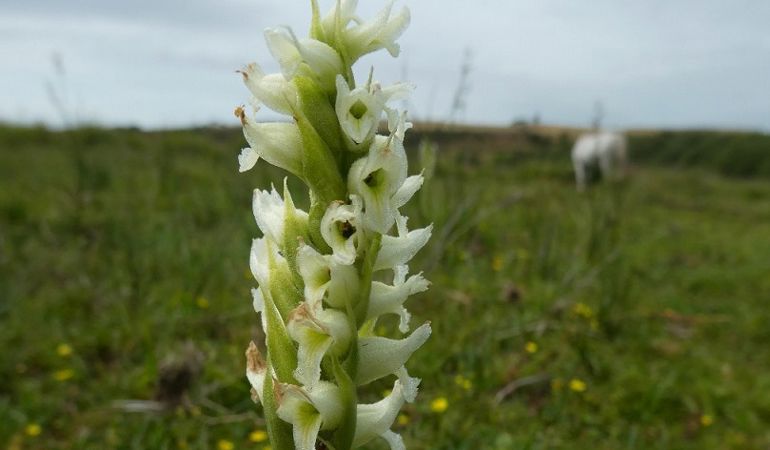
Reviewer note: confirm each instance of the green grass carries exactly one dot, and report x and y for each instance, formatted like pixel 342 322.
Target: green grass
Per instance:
pixel 132 249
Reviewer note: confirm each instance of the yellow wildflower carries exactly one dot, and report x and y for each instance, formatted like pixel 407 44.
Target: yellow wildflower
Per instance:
pixel 706 420
pixel 202 302
pixel 583 310
pixel 63 374
pixel 63 350
pixel 463 382
pixel 32 430
pixel 531 347
pixel 224 444
pixel 497 263
pixel 439 405
pixel 402 419
pixel 258 436
pixel 577 385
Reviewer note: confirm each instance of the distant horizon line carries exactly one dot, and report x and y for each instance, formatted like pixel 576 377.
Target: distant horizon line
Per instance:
pixel 419 125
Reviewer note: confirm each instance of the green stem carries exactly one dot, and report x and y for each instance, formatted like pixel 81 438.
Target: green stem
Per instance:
pixel 367 269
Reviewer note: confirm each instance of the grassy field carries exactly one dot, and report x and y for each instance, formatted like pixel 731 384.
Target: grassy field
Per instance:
pixel 634 316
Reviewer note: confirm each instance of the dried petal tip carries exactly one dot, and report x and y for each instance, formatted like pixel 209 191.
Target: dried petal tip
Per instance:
pixel 254 360
pixel 240 114
pixel 255 371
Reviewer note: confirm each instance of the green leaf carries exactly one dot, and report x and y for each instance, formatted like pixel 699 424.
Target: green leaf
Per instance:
pixel 319 110
pixel 281 352
pixel 317 211
pixel 284 293
pixel 319 168
pixel 280 432
pixel 294 230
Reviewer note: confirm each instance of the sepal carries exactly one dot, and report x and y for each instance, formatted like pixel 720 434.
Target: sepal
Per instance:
pixel 397 250
pixel 380 356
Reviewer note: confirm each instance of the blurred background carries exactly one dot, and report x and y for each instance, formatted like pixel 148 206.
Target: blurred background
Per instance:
pixel 630 315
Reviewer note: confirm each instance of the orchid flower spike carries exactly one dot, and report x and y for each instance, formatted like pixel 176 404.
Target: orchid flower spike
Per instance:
pixel 326 274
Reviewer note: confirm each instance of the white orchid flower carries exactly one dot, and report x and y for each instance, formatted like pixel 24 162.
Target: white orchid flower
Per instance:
pixel 377 33
pixel 389 299
pixel 361 37
pixel 317 332
pixel 278 143
pixel 309 410
pixel 359 110
pixel 397 250
pixel 374 420
pixel 380 356
pixel 380 178
pixel 273 90
pixel 325 279
pixel 322 60
pixel 341 229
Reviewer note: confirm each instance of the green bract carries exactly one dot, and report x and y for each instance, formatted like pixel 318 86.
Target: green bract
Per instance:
pixel 316 295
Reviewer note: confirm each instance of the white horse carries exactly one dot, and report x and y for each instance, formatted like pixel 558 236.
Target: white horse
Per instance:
pixel 602 151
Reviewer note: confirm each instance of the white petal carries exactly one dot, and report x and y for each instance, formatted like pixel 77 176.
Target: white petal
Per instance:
pixel 316 273
pixel 324 62
pixel 406 191
pixel 379 356
pixel 273 90
pixel 247 159
pixel 380 32
pixel 309 410
pixel 399 250
pixel 317 332
pixel 394 440
pixel 268 211
pixel 375 419
pixel 409 384
pixel 259 262
pixel 258 302
pixel 284 50
pixel 397 91
pixel 387 299
pixel 278 143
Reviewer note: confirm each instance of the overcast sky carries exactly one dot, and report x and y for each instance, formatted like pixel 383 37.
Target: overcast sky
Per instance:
pixel 162 63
